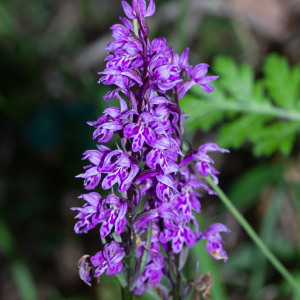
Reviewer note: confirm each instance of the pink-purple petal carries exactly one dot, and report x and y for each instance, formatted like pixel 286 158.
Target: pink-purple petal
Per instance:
pixel 128 10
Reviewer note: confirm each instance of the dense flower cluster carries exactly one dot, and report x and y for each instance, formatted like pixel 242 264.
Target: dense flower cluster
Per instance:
pixel 150 182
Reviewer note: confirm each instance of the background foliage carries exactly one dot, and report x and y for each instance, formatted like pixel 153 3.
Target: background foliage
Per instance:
pixel 50 54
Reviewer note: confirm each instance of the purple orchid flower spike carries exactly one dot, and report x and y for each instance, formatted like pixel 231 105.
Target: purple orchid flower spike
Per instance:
pixel 214 240
pixel 109 259
pixel 155 178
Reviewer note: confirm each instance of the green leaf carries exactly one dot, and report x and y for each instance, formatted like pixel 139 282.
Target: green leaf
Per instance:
pixel 279 136
pixel 201 112
pixel 281 81
pixel 237 81
pixel 267 234
pixel 139 267
pixel 250 184
pixel 153 294
pixel 234 134
pixel 121 279
pixel 146 251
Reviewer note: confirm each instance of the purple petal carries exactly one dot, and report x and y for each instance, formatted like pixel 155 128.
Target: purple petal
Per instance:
pixel 97 259
pixel 210 147
pixel 128 10
pixel 151 9
pixel 183 60
pixel 199 71
pixel 207 79
pixel 114 269
pixel 107 227
pixel 127 182
pixel 207 88
pixel 110 95
pixel 100 270
pixel 150 136
pixel 216 251
pixel 190 237
pixel 177 243
pixel 185 87
pixel 127 23
pixel 138 142
pixel 166 180
pixel 216 228
pixel 131 130
pixel 120 225
pixel 110 180
pixel 92 198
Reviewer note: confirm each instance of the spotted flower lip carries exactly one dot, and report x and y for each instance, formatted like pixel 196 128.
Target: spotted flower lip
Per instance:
pixel 178 231
pixel 141 132
pixel 113 214
pixel 117 171
pixel 160 157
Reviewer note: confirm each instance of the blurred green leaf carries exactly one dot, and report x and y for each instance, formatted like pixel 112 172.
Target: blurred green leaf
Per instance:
pixel 241 258
pixel 267 234
pixel 248 186
pixel 7 24
pixel 282 81
pixel 238 81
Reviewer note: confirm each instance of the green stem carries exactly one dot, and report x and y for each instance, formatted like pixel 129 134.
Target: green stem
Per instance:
pixel 136 27
pixel 247 227
pixel 126 294
pixel 262 110
pixel 248 107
